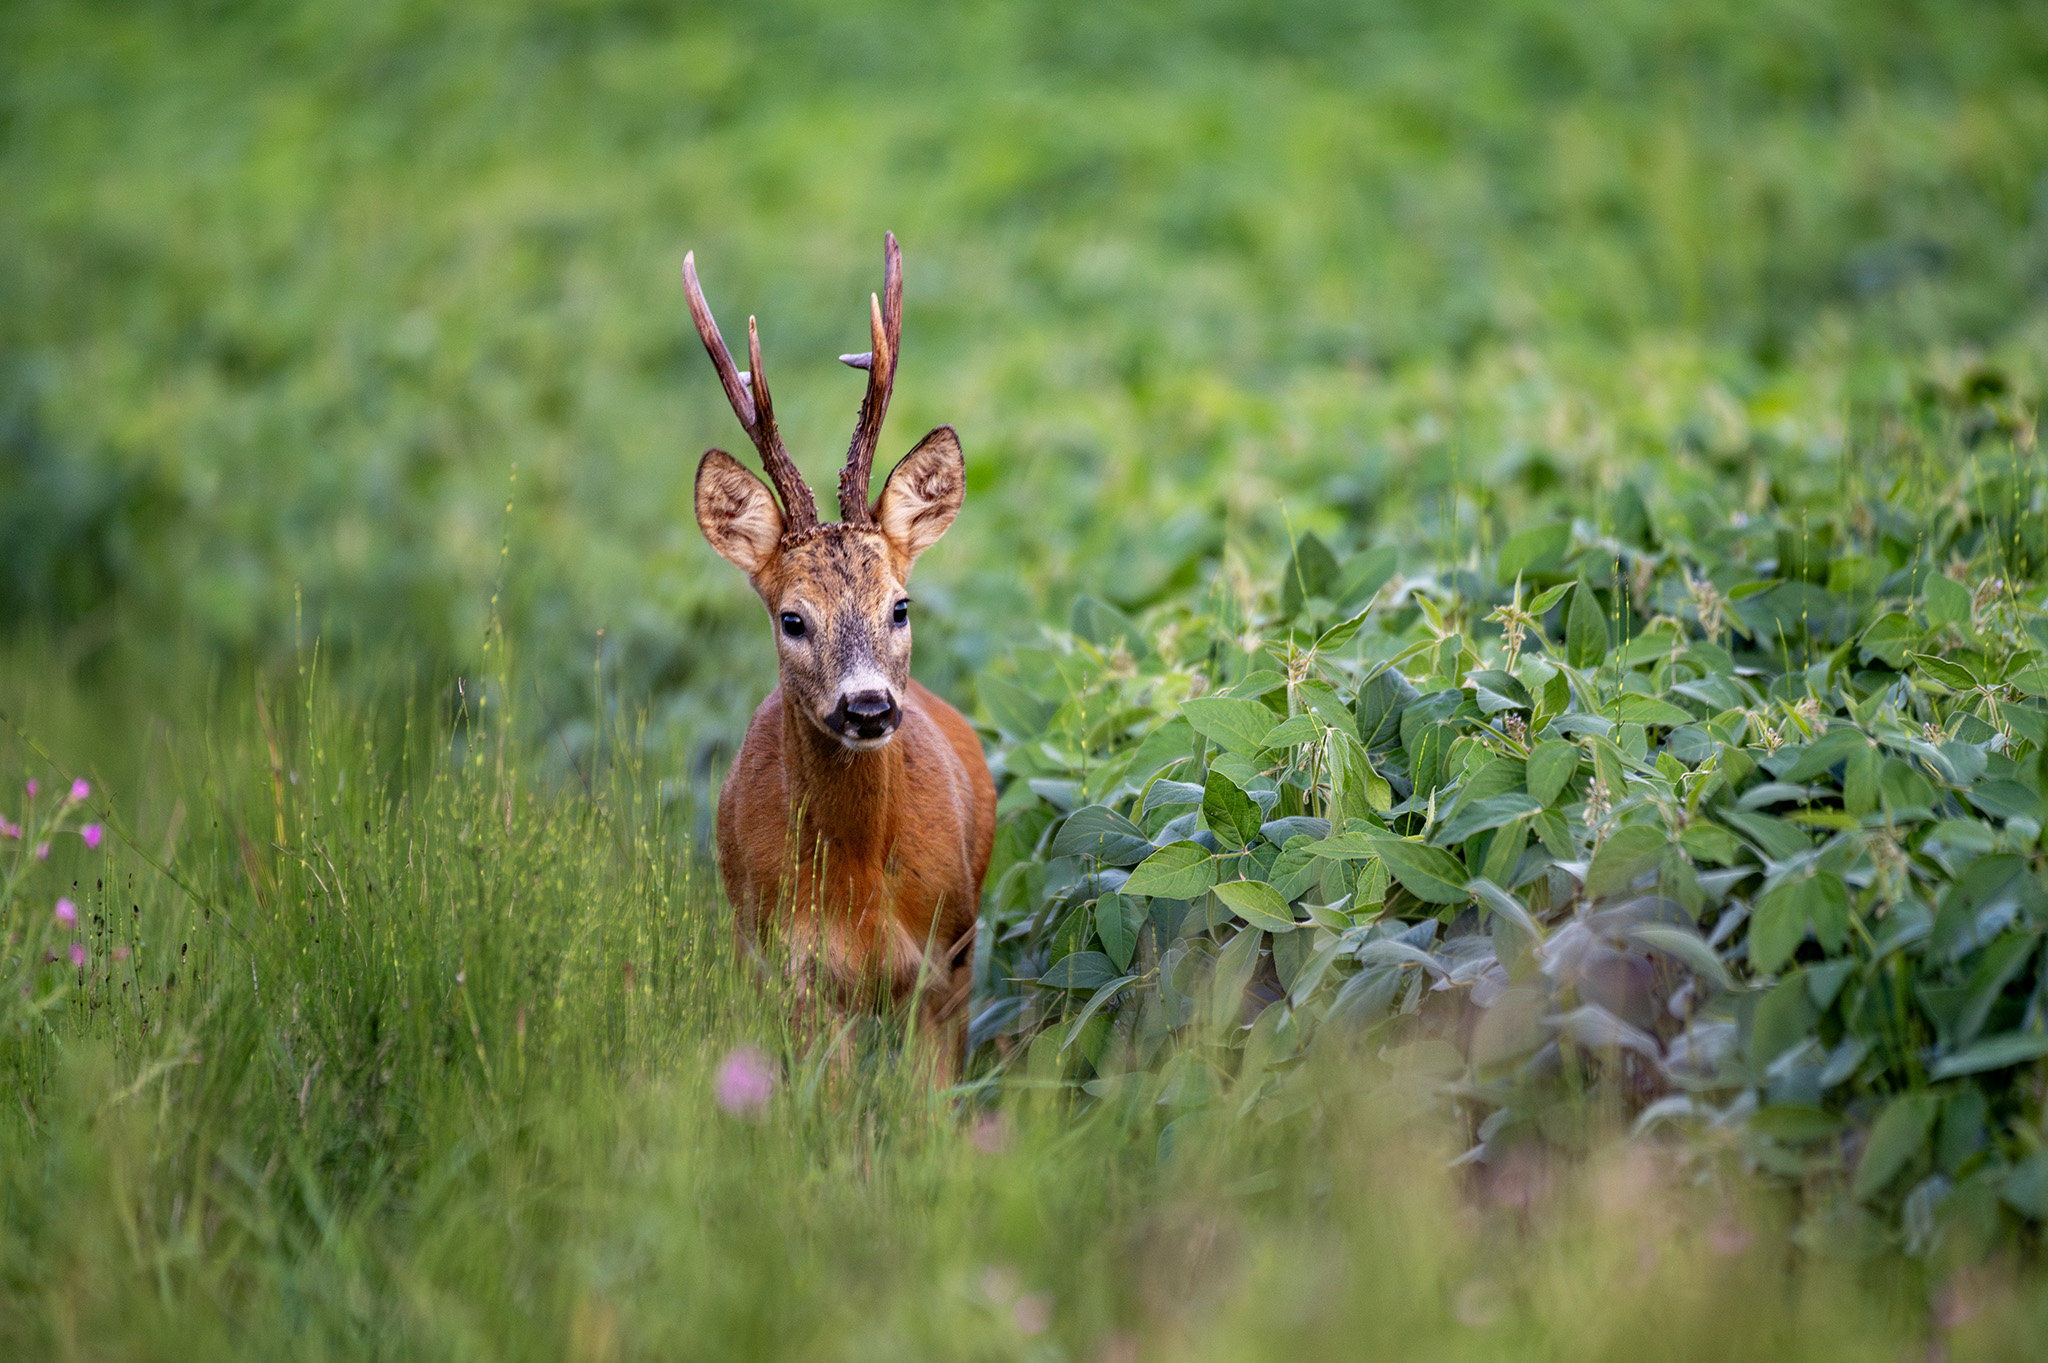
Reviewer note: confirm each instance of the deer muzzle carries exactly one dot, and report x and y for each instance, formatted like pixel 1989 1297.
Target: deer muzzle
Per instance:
pixel 865 717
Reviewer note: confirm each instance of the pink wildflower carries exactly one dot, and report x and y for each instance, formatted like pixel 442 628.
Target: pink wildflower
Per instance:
pixel 79 789
pixel 78 954
pixel 9 830
pixel 92 833
pixel 991 1133
pixel 31 787
pixel 42 851
pixel 67 912
pixel 1033 1312
pixel 121 953
pixel 745 1082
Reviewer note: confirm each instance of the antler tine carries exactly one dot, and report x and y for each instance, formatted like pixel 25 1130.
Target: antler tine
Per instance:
pixel 885 321
pixel 755 410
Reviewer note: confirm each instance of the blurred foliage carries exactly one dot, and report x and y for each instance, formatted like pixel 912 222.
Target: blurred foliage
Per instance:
pixel 286 291
pixel 1728 822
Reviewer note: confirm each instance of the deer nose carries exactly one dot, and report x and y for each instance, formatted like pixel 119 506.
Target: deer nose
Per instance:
pixel 867 714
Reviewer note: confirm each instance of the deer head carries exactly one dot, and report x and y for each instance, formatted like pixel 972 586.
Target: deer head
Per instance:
pixel 837 593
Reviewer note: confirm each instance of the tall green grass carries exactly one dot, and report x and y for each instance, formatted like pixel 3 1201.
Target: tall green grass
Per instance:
pixel 412 1055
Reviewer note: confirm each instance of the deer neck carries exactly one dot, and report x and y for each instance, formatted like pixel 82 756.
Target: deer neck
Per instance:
pixel 847 799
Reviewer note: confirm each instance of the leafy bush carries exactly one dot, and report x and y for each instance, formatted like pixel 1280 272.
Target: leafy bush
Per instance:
pixel 1718 822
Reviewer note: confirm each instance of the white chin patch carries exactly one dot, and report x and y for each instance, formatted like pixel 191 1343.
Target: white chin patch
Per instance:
pixel 865 744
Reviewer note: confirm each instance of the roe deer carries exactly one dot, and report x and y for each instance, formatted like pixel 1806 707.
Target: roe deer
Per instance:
pixel 855 826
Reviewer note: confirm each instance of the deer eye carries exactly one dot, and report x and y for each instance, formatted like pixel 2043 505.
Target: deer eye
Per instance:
pixel 793 624
pixel 901 613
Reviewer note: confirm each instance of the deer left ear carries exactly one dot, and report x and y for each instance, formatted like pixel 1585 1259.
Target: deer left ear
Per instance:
pixel 923 495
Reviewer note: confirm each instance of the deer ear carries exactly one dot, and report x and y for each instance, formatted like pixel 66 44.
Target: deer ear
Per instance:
pixel 923 495
pixel 736 513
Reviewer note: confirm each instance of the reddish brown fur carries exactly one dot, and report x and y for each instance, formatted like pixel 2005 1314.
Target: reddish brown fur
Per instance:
pixel 886 861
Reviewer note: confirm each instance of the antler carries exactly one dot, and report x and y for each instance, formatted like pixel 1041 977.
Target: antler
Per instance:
pixel 755 409
pixel 885 319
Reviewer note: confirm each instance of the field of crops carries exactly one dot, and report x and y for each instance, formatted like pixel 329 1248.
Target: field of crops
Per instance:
pixel 1504 578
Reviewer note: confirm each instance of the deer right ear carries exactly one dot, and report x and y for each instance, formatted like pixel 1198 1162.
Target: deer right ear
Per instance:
pixel 922 496
pixel 737 513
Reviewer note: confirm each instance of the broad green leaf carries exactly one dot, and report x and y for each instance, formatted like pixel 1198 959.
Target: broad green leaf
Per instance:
pixel 1827 908
pixel 1504 850
pixel 1311 572
pixel 1778 926
pixel 1551 767
pixel 1686 947
pixel 1081 970
pixel 1168 743
pixel 1540 550
pixel 1651 645
pixel 1947 601
pixel 1015 711
pixel 1784 1017
pixel 1888 638
pixel 1257 903
pixel 1179 870
pixel 1302 728
pixel 1321 700
pixel 1779 840
pixel 1629 853
pixel 1296 868
pixel 1105 626
pixel 1585 631
pixel 2005 800
pixel 1234 817
pixel 1993 1053
pixel 1548 598
pixel 2005 958
pixel 1496 900
pixel 1161 794
pixel 1282 832
pixel 1610 765
pixel 1952 675
pixel 1100 832
pixel 1429 873
pixel 1556 834
pixel 1490 777
pixel 1363 575
pixel 1347 846
pixel 1647 710
pixel 1231 722
pixel 2026 1187
pixel 1339 634
pixel 1496 691
pixel 1095 1005
pixel 1311 972
pixel 1356 790
pixel 1596 1029
pixel 1705 842
pixel 1898 1135
pixel 1117 920
pixel 1234 967
pixel 1481 816
pixel 1836 745
pixel 1252 685
pixel 1795 1123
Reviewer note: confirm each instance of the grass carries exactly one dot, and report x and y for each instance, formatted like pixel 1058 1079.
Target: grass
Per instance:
pixel 428 1076
pixel 347 408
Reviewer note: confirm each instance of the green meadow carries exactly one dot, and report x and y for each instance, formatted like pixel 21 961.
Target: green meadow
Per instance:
pixel 1502 578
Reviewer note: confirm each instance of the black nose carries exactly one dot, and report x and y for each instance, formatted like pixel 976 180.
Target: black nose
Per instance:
pixel 867 714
